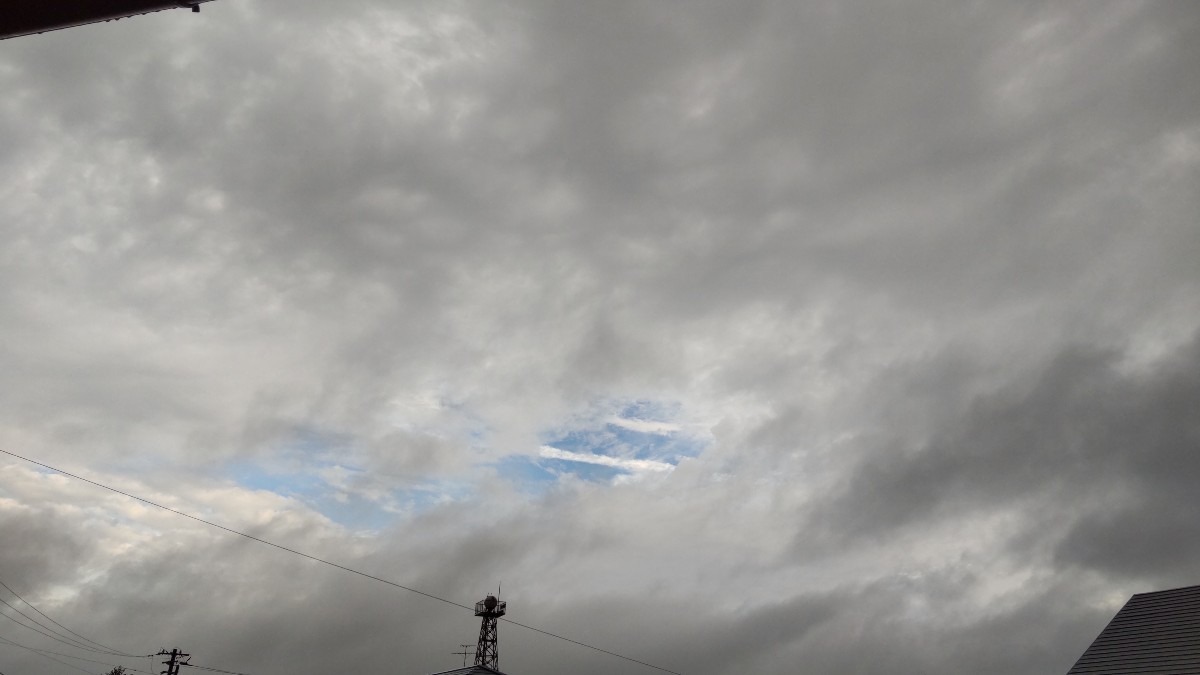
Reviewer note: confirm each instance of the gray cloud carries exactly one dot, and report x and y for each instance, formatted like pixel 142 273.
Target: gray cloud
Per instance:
pixel 916 283
pixel 1075 454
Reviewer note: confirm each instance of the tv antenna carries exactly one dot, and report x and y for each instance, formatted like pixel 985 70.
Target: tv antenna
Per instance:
pixel 467 650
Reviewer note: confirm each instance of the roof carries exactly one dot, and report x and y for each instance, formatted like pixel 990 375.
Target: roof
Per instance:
pixel 26 17
pixel 472 670
pixel 1153 634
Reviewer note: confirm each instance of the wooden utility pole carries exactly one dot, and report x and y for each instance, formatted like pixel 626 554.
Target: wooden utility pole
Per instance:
pixel 174 662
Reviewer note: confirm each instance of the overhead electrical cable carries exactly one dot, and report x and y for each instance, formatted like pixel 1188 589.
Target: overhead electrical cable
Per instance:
pixel 212 670
pixel 47 656
pixel 329 563
pixel 43 614
pixel 103 663
pixel 53 634
pixel 70 656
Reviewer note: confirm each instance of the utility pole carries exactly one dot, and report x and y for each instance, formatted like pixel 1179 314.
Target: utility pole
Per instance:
pixel 174 662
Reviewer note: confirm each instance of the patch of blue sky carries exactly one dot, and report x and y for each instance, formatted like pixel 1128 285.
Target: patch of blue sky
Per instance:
pixel 616 440
pixel 352 511
pixel 293 467
pixel 535 475
pixel 650 410
pixel 611 440
pixel 595 473
pixel 593 441
pixel 670 449
pixel 527 473
pixel 317 469
pixel 287 483
pixel 343 504
pixel 662 446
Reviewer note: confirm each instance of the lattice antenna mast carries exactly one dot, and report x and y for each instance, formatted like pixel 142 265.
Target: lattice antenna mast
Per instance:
pixel 487 653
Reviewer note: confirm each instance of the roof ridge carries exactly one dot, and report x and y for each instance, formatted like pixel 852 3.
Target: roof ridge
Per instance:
pixel 1195 588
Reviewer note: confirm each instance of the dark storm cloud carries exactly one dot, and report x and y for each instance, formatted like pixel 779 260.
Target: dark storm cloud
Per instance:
pixel 1149 530
pixel 880 627
pixel 1083 432
pixel 50 559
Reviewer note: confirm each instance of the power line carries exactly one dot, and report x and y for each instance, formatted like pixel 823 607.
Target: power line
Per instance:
pixel 329 563
pixel 71 656
pixel 103 663
pixel 212 670
pixel 61 638
pixel 47 656
pixel 238 532
pixel 51 635
pixel 34 608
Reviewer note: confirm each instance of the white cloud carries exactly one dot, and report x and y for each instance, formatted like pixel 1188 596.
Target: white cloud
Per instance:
pixel 646 426
pixel 634 465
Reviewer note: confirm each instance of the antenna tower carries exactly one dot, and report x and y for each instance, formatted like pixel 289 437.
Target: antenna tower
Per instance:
pixel 487 653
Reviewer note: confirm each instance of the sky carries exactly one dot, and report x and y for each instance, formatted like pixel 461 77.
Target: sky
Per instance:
pixel 823 337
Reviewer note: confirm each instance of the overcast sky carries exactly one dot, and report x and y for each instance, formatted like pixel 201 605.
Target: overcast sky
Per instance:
pixel 733 337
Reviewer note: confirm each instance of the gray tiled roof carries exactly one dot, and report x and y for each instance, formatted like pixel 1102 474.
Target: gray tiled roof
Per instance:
pixel 471 670
pixel 1153 634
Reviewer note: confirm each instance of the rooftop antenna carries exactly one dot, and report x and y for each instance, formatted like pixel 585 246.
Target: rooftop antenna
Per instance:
pixel 489 610
pixel 466 651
